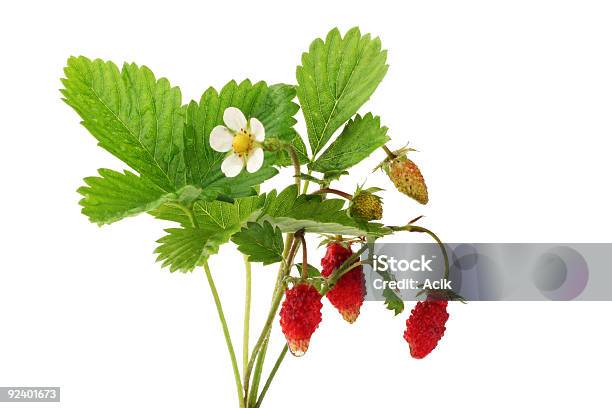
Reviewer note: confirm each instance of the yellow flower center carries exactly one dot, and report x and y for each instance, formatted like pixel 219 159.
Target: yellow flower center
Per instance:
pixel 242 142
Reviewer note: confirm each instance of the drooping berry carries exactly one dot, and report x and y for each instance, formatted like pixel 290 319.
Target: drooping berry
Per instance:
pixel 300 316
pixel 349 291
pixel 426 326
pixel 407 178
pixel 366 206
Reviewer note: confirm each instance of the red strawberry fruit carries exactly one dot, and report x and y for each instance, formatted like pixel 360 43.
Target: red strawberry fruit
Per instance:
pixel 300 316
pixel 348 293
pixel 426 326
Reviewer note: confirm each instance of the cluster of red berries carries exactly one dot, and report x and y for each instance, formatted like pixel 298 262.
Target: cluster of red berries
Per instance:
pixel 301 311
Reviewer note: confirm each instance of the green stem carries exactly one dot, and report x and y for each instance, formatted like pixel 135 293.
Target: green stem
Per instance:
pixel 279 360
pixel 334 191
pixel 247 315
pixel 307 182
pixel 259 351
pixel 416 228
pixel 254 387
pixel 304 273
pixel 271 315
pixel 345 267
pixel 226 334
pixel 440 244
pixel 295 161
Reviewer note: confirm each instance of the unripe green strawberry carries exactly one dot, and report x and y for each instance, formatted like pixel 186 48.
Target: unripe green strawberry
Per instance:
pixel 366 206
pixel 408 178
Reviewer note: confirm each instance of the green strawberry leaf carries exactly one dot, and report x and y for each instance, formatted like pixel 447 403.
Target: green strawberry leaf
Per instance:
pixel 260 242
pixel 360 137
pixel 216 222
pixel 291 211
pixel 215 215
pixel 132 115
pixel 115 195
pixel 393 301
pixel 182 249
pixel 336 78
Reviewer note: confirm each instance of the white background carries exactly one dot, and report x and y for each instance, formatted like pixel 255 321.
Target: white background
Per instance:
pixel 509 104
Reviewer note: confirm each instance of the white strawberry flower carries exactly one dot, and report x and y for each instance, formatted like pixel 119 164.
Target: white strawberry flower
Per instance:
pixel 240 137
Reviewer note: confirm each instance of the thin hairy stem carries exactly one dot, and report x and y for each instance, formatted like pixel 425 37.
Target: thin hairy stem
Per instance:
pixel 307 182
pixel 213 289
pixel 416 228
pixel 277 364
pixel 304 273
pixel 296 163
pixel 247 315
pixel 271 315
pixel 346 266
pixel 254 387
pixel 226 334
pixel 334 191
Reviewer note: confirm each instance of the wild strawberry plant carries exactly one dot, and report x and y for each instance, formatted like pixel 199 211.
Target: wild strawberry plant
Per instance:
pixel 201 165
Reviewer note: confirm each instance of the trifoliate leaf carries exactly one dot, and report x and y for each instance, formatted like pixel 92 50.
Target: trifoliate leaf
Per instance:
pixel 336 77
pixel 216 222
pixel 132 115
pixel 291 211
pixel 115 195
pixel 272 105
pixel 360 137
pixel 261 242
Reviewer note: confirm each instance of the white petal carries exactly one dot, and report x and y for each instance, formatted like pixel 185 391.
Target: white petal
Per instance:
pixel 234 119
pixel 255 160
pixel 232 165
pixel 257 129
pixel 221 139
